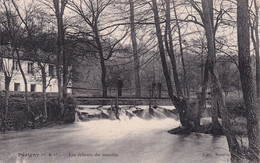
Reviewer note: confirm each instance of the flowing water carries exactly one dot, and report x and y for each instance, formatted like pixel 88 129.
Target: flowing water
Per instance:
pixel 128 140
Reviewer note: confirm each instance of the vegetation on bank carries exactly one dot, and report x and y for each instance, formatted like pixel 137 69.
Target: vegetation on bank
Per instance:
pixel 19 118
pixel 236 113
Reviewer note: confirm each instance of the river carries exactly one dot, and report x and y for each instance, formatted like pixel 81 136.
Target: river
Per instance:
pixel 129 140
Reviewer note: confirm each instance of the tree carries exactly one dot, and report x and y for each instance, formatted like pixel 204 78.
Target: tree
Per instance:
pixel 170 51
pixel 32 42
pixel 246 77
pixel 135 50
pixel 180 103
pixel 219 101
pixel 210 26
pixel 59 8
pixel 205 74
pixel 185 88
pixel 15 34
pixel 7 62
pixel 255 40
pixel 90 12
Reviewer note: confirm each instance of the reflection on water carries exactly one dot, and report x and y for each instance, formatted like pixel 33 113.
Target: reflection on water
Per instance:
pixel 128 140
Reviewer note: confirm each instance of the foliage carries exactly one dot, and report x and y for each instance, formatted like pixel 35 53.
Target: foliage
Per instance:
pixel 69 114
pixel 18 118
pixel 236 108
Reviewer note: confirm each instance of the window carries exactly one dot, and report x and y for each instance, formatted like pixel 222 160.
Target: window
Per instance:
pixel 51 70
pixel 30 68
pixel 16 86
pixel 50 88
pixel 1 64
pixel 16 66
pixel 33 87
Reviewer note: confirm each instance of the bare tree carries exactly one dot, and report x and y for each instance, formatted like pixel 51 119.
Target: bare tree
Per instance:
pixel 34 30
pixel 58 7
pixel 185 88
pixel 218 100
pixel 246 78
pixel 135 50
pixel 255 40
pixel 209 66
pixel 7 63
pixel 90 12
pixel 15 32
pixel 170 51
pixel 179 102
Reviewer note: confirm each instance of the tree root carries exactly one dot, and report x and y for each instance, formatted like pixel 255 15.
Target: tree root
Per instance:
pixel 206 129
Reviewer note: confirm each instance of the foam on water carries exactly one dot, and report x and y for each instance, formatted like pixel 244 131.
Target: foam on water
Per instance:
pixel 125 126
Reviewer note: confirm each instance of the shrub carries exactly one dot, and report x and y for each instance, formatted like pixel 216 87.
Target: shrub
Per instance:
pixel 53 110
pixel 69 112
pixel 236 108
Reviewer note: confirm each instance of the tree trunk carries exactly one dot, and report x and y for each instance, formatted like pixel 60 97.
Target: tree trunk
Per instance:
pixel 44 87
pixel 58 50
pixel 216 88
pixel 65 75
pixel 255 39
pixel 162 54
pixel 24 80
pixel 58 67
pixel 65 63
pixel 202 98
pixel 214 109
pixel 233 145
pixel 209 26
pixel 59 10
pixel 102 61
pixel 204 86
pixel 103 77
pixel 246 78
pixel 6 103
pixel 169 47
pixel 185 87
pixel 45 102
pixel 135 51
pixel 180 104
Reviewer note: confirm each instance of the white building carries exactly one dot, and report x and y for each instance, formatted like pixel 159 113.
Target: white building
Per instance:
pixel 33 76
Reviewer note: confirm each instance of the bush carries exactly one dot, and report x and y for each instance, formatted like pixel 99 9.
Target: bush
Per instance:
pixel 53 110
pixel 69 112
pixel 236 108
pixel 19 118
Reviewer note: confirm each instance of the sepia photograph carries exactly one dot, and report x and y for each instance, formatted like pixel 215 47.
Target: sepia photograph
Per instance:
pixel 129 81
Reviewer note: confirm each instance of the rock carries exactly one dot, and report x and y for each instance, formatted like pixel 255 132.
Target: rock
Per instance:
pixel 180 131
pixel 208 120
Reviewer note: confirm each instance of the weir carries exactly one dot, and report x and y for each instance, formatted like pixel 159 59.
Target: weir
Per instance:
pixel 92 112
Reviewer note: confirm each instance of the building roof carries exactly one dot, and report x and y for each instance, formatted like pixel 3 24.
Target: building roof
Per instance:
pixel 6 51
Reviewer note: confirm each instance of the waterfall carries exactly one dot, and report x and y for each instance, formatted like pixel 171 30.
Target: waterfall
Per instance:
pixel 88 112
pixel 77 119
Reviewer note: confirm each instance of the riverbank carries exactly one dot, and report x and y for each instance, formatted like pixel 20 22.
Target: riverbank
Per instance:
pixel 18 117
pixel 32 126
pixel 238 125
